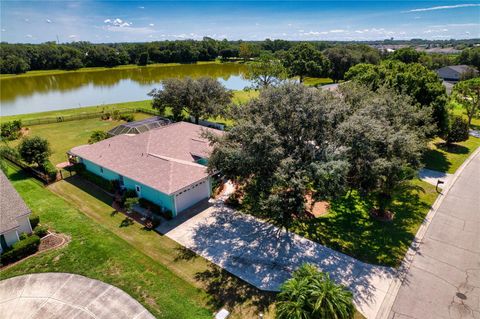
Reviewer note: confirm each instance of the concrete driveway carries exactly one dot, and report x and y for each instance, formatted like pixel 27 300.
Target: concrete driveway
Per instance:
pixel 62 295
pixel 443 280
pixel 265 256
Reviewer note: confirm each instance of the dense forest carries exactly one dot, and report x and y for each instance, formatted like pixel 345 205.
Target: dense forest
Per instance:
pixel 19 58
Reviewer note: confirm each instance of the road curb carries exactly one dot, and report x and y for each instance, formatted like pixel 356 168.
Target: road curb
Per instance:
pixel 392 292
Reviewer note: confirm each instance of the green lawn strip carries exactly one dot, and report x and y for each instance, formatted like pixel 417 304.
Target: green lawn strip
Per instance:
pixel 458 110
pixel 65 135
pixel 348 228
pixel 96 252
pixel 93 69
pixel 443 158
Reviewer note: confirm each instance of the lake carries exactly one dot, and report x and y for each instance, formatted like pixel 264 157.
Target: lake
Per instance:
pixel 20 95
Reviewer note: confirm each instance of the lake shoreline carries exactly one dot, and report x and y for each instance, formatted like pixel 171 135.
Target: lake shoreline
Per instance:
pixel 102 68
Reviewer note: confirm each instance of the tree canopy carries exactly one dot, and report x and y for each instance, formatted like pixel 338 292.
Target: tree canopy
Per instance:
pixel 406 55
pixel 414 80
pixel 34 150
pixel 200 97
pixel 267 71
pixel 304 60
pixel 342 58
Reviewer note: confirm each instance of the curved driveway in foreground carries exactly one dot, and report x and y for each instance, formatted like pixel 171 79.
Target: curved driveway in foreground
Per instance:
pixel 62 295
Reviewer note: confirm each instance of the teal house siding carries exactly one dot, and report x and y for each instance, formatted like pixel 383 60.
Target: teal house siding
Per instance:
pixel 100 171
pixel 153 195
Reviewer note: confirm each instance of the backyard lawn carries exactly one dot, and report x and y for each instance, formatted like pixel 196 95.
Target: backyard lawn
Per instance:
pixel 169 280
pixel 65 135
pixel 443 158
pixel 348 228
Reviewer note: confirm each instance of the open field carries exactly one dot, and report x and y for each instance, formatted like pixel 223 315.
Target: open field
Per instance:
pixel 443 158
pixel 93 69
pixel 97 252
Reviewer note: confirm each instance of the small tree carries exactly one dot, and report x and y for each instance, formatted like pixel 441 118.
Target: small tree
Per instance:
pixel 97 136
pixel 467 94
pixel 34 150
pixel 266 72
pixel 11 130
pixel 311 294
pixel 458 131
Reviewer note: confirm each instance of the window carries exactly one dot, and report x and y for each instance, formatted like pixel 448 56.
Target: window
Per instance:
pixel 137 188
pixel 101 170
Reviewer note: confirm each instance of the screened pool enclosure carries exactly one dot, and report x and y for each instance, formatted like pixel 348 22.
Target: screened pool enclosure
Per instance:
pixel 138 127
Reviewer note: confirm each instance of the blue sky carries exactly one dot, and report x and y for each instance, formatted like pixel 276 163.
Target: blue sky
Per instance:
pixel 119 21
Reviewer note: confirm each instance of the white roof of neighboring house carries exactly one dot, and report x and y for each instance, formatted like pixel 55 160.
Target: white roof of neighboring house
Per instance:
pixel 12 205
pixel 162 158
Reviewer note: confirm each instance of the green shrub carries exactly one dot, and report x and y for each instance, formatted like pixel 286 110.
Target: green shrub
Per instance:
pixel 34 220
pixel 106 116
pixel 458 131
pixel 41 231
pixel 116 115
pixel 10 130
pixel 9 152
pixel 23 236
pixel 154 208
pixel 50 170
pixel 97 180
pixel 130 202
pixel 127 117
pixel 129 193
pixel 97 136
pixel 21 249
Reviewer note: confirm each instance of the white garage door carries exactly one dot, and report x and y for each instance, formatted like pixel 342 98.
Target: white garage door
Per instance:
pixel 192 195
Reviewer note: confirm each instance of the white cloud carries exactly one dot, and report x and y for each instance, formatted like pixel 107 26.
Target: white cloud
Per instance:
pixel 151 24
pixel 29 36
pixel 337 31
pixel 117 23
pixel 3 30
pixel 141 7
pixel 72 36
pixel 359 31
pixel 48 21
pixel 27 20
pixel 465 5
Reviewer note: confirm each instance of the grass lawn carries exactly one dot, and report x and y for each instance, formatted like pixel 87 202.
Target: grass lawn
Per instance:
pixel 348 228
pixel 97 252
pixel 443 158
pixel 457 110
pixel 317 81
pixel 65 135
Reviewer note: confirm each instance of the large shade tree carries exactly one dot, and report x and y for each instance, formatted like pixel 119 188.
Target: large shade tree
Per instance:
pixel 343 57
pixel 282 148
pixel 311 294
pixel 385 135
pixel 304 60
pixel 35 150
pixel 414 80
pixel 200 97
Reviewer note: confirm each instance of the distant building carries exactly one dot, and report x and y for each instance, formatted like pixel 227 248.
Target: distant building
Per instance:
pixel 455 73
pixel 14 214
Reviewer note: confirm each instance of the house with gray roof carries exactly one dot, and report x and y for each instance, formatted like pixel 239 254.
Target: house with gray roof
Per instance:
pixel 165 165
pixel 455 73
pixel 14 214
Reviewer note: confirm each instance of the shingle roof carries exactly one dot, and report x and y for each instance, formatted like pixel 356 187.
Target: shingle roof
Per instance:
pixel 12 205
pixel 162 158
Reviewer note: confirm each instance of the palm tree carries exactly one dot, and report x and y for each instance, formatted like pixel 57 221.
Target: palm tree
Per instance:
pixel 312 294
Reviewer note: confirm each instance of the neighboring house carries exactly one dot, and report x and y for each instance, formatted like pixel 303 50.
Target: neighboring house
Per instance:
pixel 165 165
pixel 14 214
pixel 455 73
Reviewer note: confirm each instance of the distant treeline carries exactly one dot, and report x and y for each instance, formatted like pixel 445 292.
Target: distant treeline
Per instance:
pixel 19 58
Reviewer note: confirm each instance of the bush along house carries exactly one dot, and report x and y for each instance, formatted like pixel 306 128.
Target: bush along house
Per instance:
pixel 166 166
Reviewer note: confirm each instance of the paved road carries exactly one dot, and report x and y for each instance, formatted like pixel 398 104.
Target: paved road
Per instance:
pixel 62 295
pixel 265 256
pixel 444 278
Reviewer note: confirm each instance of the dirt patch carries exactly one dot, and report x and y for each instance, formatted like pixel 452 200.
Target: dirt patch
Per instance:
pixel 24 131
pixel 317 209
